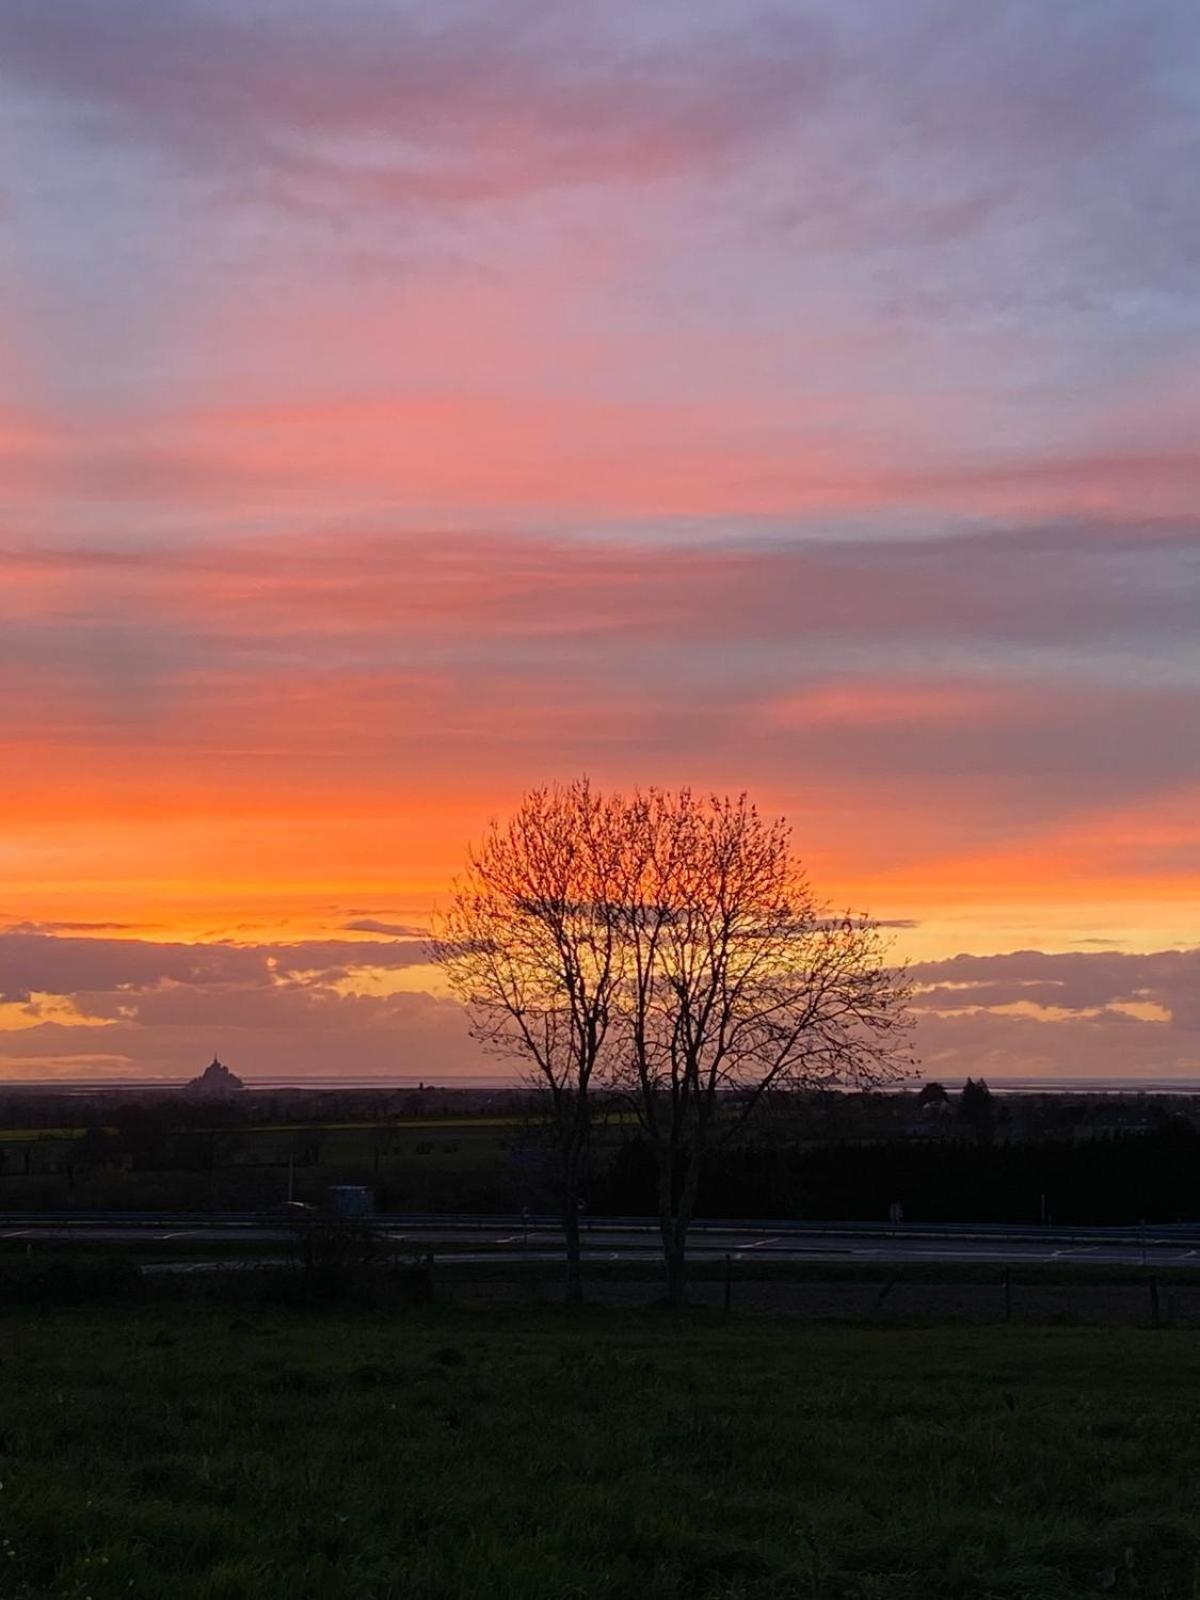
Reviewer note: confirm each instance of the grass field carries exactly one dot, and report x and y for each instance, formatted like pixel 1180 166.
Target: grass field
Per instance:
pixel 431 1163
pixel 531 1454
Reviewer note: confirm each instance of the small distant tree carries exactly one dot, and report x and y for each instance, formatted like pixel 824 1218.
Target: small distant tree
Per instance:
pixel 738 984
pixel 977 1108
pixel 531 945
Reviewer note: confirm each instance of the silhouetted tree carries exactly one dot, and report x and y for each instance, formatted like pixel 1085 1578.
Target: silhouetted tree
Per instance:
pixel 738 983
pixel 670 948
pixel 976 1107
pixel 531 945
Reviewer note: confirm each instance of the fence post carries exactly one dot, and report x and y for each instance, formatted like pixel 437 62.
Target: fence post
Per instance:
pixel 728 1282
pixel 1154 1302
pixel 1007 1292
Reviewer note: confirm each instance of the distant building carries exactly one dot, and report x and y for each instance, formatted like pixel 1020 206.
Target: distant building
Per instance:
pixel 215 1082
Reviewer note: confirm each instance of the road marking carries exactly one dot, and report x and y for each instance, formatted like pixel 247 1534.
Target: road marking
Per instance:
pixel 759 1244
pixel 20 1233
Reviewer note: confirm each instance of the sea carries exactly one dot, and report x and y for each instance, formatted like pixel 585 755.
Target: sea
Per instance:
pixel 1014 1085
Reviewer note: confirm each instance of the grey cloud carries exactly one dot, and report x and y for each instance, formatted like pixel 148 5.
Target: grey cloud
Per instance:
pixel 1095 582
pixel 162 1011
pixel 998 1046
pixel 1070 649
pixel 929 121
pixel 1061 137
pixel 243 1005
pixel 43 964
pixel 1075 981
pixel 295 1033
pixel 369 100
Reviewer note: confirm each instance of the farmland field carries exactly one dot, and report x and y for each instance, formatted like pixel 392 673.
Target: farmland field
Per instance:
pixel 531 1454
pixel 428 1163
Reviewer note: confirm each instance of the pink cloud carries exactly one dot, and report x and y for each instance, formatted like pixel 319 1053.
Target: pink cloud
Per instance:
pixel 390 110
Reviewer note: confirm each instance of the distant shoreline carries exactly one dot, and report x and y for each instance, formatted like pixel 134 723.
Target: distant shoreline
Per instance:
pixel 331 1085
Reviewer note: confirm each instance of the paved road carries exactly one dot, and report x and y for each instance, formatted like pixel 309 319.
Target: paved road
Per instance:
pixel 748 1245
pixel 481 1239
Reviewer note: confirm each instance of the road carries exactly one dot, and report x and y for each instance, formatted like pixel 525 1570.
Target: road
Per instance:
pixel 507 1239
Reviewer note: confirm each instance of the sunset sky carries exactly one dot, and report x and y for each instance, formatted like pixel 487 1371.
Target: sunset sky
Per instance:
pixel 405 404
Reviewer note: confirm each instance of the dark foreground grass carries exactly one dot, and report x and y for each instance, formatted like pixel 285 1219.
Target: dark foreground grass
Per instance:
pixel 496 1455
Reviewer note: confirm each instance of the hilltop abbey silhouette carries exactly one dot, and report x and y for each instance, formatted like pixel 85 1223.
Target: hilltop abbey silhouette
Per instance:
pixel 215 1082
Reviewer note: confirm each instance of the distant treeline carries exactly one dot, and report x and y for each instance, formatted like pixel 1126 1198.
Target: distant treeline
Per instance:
pixel 175 1108
pixel 961 1157
pixel 829 1115
pixel 1120 1178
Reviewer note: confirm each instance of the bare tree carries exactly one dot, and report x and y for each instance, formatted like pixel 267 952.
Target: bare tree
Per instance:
pixel 738 983
pixel 531 945
pixel 669 948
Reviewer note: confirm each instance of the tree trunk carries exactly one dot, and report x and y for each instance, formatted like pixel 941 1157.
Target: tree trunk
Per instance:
pixel 672 1260
pixel 675 1261
pixel 673 1226
pixel 675 1218
pixel 570 1224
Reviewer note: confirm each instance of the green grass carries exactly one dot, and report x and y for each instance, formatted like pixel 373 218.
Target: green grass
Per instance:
pixel 443 1456
pixel 760 1269
pixel 377 1125
pixel 24 1135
